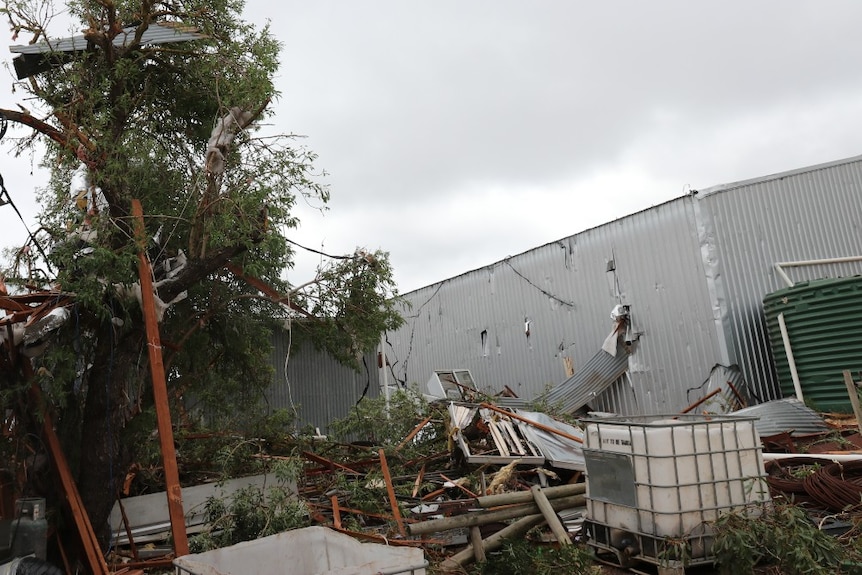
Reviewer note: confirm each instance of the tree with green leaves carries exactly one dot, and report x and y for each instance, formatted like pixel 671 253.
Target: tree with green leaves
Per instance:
pixel 163 102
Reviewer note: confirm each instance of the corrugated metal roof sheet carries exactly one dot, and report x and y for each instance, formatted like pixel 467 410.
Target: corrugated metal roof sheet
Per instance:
pixel 156 33
pixel 585 386
pixel 694 271
pixel 562 292
pixel 784 415
pixel 559 451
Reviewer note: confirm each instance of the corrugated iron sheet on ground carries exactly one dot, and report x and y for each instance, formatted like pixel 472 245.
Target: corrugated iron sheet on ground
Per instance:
pixel 785 416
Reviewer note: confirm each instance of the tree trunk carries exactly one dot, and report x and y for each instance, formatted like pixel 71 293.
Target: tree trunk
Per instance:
pixel 103 462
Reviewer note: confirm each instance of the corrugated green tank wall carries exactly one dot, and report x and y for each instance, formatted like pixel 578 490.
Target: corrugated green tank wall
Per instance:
pixel 824 324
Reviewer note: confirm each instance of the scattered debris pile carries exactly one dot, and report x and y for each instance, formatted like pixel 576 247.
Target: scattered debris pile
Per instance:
pixel 455 477
pixel 458 480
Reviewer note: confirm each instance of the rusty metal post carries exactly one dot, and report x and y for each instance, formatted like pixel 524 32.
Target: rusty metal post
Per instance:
pixel 396 512
pixel 82 521
pixel 160 391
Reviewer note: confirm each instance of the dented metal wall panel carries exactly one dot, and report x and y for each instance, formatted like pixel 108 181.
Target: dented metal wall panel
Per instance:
pixel 694 271
pixel 318 388
pixel 807 214
pixel 516 321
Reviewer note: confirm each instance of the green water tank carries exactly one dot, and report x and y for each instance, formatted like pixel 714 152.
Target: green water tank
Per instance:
pixel 824 325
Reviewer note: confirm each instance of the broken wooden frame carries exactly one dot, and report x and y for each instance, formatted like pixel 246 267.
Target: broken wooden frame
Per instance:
pixel 510 436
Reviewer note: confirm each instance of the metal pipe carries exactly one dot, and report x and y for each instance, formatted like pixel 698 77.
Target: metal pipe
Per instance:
pixel 398 570
pixel 783 275
pixel 834 457
pixel 785 337
pixel 779 266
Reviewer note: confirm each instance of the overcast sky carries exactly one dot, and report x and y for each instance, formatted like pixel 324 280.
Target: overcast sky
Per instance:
pixel 458 133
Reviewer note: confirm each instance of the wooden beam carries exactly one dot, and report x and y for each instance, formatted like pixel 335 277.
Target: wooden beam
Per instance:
pixel 459 486
pixel 336 512
pixel 328 463
pixel 266 289
pixel 160 390
pixel 418 483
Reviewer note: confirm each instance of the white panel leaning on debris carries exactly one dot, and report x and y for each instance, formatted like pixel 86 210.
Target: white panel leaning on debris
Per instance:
pixel 148 514
pixel 317 550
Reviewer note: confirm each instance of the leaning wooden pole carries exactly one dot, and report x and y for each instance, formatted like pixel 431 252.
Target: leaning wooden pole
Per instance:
pixel 160 390
pixel 495 541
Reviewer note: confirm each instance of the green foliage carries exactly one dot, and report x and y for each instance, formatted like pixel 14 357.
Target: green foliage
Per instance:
pixel 349 293
pixel 522 557
pixel 541 403
pixel 675 551
pixel 783 536
pixel 207 454
pixel 366 493
pixel 249 513
pixel 130 121
pixel 369 421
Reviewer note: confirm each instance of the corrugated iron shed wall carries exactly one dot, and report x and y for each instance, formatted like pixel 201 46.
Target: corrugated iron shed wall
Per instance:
pixel 695 271
pixel 563 294
pixel 319 388
pixel 806 214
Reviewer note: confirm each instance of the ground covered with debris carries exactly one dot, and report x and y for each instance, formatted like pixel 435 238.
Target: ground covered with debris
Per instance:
pixel 472 495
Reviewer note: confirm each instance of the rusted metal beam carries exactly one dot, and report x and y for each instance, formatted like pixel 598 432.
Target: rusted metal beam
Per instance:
pixel 535 424
pixel 336 512
pixel 328 463
pixel 413 433
pixel 79 514
pixel 160 391
pixel 396 511
pixel 702 400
